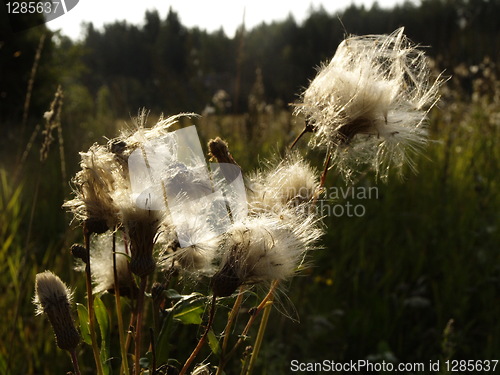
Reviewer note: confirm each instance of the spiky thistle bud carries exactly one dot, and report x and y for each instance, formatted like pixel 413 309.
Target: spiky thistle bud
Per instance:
pixel 142 230
pixel 53 298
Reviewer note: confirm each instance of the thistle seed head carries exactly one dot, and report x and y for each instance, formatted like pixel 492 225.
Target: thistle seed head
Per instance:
pixel 264 248
pixel 288 183
pixel 53 298
pixel 369 105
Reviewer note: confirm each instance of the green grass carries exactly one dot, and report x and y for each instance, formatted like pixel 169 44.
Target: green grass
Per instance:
pixel 385 285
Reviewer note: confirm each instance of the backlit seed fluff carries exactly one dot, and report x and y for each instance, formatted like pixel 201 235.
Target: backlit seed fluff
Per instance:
pixel 265 248
pixel 290 183
pixel 53 298
pixel 101 261
pixel 370 103
pixel 94 185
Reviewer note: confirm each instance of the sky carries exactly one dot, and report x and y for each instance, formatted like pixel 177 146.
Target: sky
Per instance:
pixel 209 15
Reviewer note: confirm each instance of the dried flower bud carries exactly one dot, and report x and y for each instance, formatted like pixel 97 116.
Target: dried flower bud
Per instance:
pixel 80 252
pixel 53 298
pixel 219 150
pixel 142 229
pixel 157 291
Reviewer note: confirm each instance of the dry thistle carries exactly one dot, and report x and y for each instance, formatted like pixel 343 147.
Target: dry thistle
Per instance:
pixel 101 260
pixel 52 122
pixel 265 248
pixel 53 298
pixel 370 103
pixel 95 185
pixel 289 183
pixel 142 229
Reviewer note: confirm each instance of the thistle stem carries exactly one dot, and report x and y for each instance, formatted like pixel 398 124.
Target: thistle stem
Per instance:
pixel 260 335
pixel 203 338
pixel 90 306
pixel 250 322
pixel 308 128
pixel 231 319
pixel 153 351
pixel 138 326
pixel 124 365
pixel 325 171
pixel 74 360
pixel 304 131
pixel 133 319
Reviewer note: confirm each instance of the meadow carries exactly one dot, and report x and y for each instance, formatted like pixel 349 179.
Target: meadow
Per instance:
pixel 411 275
pixel 416 278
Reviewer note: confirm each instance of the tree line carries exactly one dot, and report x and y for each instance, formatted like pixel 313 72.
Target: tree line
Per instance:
pixel 167 67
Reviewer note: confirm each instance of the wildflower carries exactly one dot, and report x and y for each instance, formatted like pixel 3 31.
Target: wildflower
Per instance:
pixel 370 103
pixel 53 298
pixel 197 258
pixel 290 183
pixel 142 229
pixel 101 261
pixel 264 248
pixel 94 185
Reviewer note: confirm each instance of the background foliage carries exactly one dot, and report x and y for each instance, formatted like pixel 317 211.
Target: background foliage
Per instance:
pixel 386 285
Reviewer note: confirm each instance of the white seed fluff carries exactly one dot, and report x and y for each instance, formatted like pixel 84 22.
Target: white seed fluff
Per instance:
pixel 50 292
pixel 370 103
pixel 268 247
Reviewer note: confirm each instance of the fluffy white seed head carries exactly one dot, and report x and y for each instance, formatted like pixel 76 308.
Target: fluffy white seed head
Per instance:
pixel 370 103
pixel 101 261
pixel 50 292
pixel 53 298
pixel 289 183
pixel 94 186
pixel 264 248
pixel 139 134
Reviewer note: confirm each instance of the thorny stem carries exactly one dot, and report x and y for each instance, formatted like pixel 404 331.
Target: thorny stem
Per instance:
pixel 90 304
pixel 138 326
pixel 119 316
pixel 260 335
pixel 74 360
pixel 203 338
pixel 251 320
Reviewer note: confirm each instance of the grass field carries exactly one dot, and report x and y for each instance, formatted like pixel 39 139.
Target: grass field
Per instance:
pixel 415 278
